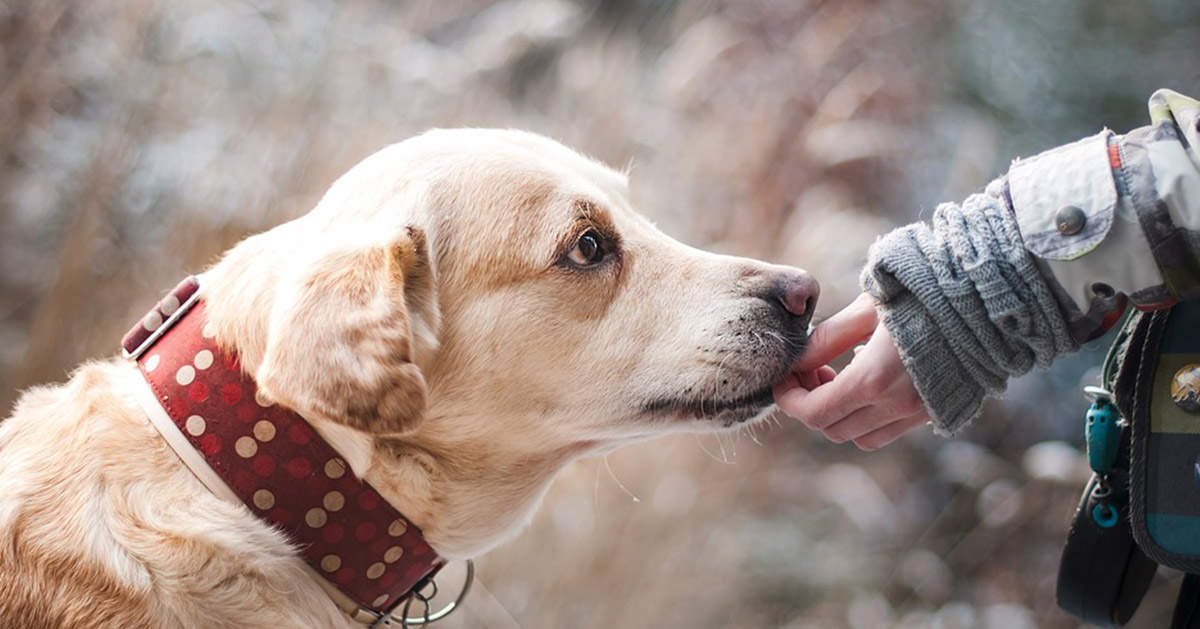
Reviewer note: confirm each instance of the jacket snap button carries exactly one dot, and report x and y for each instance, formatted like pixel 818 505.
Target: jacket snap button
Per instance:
pixel 1070 220
pixel 1185 388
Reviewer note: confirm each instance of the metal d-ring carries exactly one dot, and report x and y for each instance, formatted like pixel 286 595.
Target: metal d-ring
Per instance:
pixel 1095 393
pixel 425 598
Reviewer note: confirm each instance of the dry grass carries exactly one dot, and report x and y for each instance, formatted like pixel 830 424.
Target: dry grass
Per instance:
pixel 143 137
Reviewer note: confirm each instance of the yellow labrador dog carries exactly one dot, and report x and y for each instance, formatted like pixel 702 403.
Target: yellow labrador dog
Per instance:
pixel 461 315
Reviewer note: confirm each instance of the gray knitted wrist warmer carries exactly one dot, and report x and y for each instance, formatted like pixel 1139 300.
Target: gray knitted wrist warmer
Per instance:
pixel 966 305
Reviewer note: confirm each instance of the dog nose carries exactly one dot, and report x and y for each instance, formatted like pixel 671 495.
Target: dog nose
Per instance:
pixel 797 291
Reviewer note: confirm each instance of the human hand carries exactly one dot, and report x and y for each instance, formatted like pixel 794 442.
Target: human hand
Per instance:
pixel 872 402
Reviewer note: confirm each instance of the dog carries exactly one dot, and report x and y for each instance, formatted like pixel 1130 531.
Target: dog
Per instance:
pixel 460 316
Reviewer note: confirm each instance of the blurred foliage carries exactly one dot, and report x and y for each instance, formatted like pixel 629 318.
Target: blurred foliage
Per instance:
pixel 143 137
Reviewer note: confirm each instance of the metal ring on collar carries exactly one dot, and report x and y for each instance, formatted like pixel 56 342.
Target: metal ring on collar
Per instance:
pixel 408 621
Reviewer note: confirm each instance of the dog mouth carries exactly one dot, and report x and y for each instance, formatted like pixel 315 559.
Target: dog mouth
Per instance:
pixel 774 362
pixel 728 410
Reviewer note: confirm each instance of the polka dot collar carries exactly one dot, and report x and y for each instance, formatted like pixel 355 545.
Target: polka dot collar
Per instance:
pixel 275 463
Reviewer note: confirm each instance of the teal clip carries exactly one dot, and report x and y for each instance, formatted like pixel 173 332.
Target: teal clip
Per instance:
pixel 1103 436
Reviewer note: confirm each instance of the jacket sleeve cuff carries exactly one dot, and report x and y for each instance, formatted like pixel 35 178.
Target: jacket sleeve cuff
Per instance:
pixel 966 305
pixel 952 398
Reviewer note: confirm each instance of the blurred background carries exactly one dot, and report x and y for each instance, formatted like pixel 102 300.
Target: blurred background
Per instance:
pixel 141 138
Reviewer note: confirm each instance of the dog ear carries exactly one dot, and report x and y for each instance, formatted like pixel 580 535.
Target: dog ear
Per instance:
pixel 343 335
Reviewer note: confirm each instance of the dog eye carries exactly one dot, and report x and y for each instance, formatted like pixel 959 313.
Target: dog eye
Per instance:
pixel 589 249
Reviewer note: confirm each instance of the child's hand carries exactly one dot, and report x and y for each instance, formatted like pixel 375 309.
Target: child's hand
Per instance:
pixel 872 402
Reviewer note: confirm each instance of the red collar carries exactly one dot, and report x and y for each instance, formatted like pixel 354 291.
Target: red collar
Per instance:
pixel 273 460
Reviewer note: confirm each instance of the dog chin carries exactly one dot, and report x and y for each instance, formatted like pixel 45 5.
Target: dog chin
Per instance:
pixel 715 413
pixel 738 419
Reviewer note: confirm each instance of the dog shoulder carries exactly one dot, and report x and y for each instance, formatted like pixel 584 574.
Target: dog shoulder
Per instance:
pixel 49 575
pixel 102 526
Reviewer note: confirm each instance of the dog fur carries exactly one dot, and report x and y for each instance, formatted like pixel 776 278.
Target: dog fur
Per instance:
pixel 442 319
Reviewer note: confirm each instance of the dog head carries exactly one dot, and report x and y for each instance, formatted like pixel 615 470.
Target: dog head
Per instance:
pixel 466 311
pixel 499 276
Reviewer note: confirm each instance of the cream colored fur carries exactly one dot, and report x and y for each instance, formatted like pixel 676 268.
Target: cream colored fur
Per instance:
pixel 425 317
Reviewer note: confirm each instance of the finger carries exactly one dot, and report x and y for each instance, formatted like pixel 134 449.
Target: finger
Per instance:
pixel 891 432
pixel 826 374
pixel 821 375
pixel 826 404
pixel 868 419
pixel 790 381
pixel 845 329
pixel 809 380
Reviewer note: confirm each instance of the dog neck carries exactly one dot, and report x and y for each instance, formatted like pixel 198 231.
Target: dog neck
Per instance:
pixel 202 402
pixel 468 488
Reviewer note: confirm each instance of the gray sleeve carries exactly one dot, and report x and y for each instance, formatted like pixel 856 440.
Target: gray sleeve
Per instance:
pixel 966 304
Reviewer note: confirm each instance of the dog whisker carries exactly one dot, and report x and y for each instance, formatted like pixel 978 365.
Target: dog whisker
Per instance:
pixel 618 481
pixel 700 441
pixel 752 432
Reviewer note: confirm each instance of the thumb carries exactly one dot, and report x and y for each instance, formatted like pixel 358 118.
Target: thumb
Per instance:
pixel 845 329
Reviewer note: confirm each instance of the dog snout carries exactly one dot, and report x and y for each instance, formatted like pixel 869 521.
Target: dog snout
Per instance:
pixel 794 290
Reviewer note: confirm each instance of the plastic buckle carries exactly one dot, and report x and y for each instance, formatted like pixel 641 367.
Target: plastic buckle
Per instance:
pixel 1103 574
pixel 1103 434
